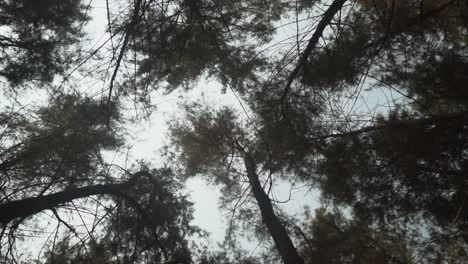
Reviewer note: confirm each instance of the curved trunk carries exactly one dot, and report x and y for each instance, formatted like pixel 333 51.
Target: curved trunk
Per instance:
pixel 31 206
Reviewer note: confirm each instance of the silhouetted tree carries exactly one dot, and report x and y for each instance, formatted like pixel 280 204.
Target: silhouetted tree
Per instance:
pixel 52 159
pixel 401 169
pixel 231 155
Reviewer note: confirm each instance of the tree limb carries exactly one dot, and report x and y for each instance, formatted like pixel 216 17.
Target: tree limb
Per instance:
pixel 30 206
pixel 130 27
pixel 461 117
pixel 327 17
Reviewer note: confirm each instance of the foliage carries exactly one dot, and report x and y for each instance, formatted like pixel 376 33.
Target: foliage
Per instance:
pixel 57 147
pixel 36 36
pixel 401 170
pixel 392 173
pixel 331 238
pixel 152 225
pixel 396 172
pixel 159 228
pixel 176 42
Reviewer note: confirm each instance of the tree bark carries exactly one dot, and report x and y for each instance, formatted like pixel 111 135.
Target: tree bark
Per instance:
pixel 279 234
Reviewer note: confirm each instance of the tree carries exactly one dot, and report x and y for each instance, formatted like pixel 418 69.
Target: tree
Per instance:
pixel 174 43
pixel 401 168
pixel 62 252
pixel 331 238
pixel 57 147
pixel 54 159
pixel 220 138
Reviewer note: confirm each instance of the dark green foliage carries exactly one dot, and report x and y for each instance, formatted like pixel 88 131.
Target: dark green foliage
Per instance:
pixel 390 39
pixel 333 239
pixel 208 132
pixel 438 81
pixel 401 173
pixel 340 63
pixel 35 37
pixel 179 41
pixel 58 147
pixel 409 169
pixel 150 224
pixel 64 252
pixel 158 229
pixel 221 258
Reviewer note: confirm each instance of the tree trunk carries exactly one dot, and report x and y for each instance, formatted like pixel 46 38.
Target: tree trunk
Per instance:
pixel 31 206
pixel 281 238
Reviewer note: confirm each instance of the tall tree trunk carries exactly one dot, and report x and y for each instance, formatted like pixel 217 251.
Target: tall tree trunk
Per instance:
pixel 281 238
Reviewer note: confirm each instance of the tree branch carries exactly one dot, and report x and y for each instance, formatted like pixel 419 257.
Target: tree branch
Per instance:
pixel 30 206
pixel 327 17
pixel 128 31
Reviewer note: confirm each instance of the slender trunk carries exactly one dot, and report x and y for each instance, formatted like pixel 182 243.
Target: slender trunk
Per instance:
pixel 281 238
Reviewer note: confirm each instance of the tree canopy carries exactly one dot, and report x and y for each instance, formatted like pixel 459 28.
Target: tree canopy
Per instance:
pixel 362 100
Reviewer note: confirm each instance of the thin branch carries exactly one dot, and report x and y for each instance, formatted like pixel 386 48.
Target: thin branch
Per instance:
pixel 128 32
